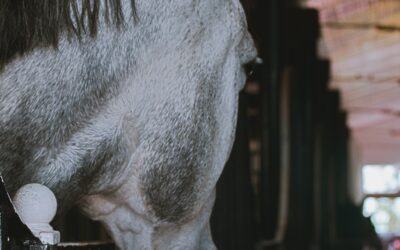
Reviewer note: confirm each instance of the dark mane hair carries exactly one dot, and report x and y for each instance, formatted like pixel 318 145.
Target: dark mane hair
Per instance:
pixel 27 24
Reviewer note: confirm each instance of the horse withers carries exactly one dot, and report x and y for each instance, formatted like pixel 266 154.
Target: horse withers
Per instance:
pixel 132 119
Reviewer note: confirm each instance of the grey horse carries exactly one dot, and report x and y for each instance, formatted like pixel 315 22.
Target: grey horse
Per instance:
pixel 133 124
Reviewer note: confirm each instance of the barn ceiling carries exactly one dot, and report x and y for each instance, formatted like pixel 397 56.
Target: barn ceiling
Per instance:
pixel 362 39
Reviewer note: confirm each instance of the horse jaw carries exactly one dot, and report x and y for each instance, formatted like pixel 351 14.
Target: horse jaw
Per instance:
pixel 132 230
pixel 185 138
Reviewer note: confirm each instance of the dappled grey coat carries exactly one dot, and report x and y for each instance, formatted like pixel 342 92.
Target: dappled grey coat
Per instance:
pixel 126 111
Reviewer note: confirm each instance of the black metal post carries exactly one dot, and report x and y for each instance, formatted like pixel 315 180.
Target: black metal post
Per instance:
pixel 270 171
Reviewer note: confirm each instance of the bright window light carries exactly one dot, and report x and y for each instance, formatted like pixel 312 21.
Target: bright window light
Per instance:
pixel 381 180
pixel 384 213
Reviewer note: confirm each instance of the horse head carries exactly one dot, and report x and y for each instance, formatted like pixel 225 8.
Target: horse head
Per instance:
pixel 133 120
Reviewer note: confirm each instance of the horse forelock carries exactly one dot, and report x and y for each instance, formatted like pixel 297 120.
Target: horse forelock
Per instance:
pixel 28 24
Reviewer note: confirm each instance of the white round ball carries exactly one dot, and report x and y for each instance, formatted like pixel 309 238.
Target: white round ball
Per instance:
pixel 35 203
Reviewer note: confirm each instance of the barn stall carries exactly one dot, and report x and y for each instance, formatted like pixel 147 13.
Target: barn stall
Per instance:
pixel 318 118
pixel 323 127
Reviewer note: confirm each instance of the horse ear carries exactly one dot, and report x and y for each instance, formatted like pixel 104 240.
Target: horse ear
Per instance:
pixel 27 24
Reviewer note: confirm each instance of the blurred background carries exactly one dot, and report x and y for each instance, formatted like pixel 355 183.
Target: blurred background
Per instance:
pixel 316 159
pixel 316 162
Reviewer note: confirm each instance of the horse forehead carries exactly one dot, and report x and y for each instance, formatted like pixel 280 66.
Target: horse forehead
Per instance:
pixel 206 10
pixel 230 11
pixel 207 25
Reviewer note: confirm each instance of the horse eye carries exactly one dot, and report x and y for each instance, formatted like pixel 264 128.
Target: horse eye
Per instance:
pixel 252 66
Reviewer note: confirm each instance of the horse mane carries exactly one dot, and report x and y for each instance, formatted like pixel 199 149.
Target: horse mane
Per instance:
pixel 28 24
